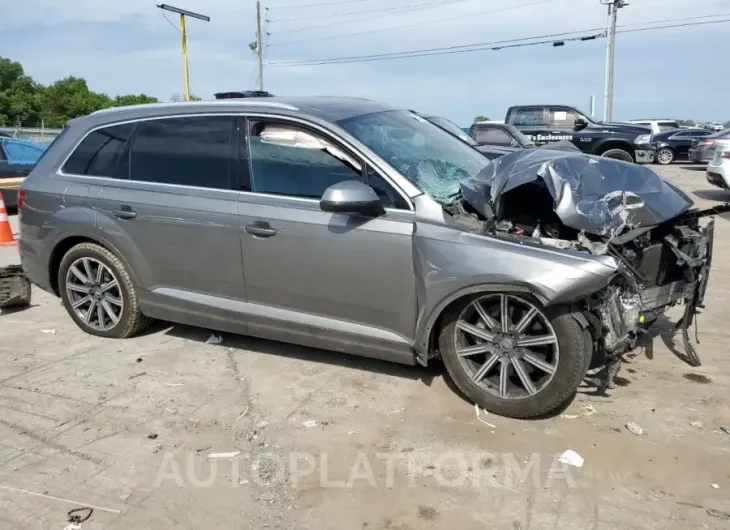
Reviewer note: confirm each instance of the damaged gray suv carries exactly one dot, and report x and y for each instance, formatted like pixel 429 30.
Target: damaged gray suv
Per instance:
pixel 353 226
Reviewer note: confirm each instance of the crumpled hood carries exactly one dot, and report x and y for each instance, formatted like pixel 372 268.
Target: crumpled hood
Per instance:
pixel 599 195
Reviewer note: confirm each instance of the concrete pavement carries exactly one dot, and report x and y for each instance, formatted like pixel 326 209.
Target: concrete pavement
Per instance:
pixel 166 430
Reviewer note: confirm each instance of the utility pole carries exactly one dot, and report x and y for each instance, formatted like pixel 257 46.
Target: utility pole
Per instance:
pixel 259 46
pixel 183 32
pixel 613 7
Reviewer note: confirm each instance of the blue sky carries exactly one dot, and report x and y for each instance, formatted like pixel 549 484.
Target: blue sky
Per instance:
pixel 123 47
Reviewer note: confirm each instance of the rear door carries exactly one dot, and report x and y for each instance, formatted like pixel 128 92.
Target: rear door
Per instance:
pixel 682 141
pixel 172 214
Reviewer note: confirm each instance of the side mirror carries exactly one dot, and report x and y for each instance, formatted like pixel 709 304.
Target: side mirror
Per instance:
pixel 351 196
pixel 580 123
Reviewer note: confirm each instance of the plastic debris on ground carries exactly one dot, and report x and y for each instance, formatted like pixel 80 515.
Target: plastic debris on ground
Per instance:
pixel 49 331
pixel 214 339
pixel 633 428
pixel 571 458
pixel 224 455
pixel 588 410
pixel 478 412
pixel 309 423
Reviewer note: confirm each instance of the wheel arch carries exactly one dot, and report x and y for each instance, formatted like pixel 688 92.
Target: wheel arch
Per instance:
pixel 429 329
pixel 615 143
pixel 69 240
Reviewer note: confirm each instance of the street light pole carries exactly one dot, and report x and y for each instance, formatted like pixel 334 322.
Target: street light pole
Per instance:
pixel 613 7
pixel 259 46
pixel 183 13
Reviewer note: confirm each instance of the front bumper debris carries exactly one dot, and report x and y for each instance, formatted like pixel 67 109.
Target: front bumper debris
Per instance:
pixel 14 287
pixel 644 156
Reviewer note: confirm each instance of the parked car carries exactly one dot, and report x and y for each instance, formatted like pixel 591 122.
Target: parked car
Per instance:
pixel 354 226
pixel 657 126
pixel 718 169
pixel 17 158
pixel 499 134
pixel 702 150
pixel 560 123
pixel 675 144
pixel 490 151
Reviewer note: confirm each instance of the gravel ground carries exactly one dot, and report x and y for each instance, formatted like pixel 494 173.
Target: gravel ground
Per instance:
pixel 166 430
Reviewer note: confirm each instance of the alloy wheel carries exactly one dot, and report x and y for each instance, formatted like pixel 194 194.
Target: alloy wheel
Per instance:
pixel 665 156
pixel 507 346
pixel 94 293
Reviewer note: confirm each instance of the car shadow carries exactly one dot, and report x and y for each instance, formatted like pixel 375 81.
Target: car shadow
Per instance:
pixel 304 353
pixel 698 167
pixel 713 195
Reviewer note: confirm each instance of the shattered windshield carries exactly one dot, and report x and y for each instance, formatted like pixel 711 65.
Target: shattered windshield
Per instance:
pixel 425 154
pixel 451 127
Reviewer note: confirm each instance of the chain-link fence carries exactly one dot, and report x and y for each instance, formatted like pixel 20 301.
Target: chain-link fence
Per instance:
pixel 36 132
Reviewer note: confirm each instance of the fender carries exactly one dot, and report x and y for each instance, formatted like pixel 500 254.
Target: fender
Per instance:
pixel 618 143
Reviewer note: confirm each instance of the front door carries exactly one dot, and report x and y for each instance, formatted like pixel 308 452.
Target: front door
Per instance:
pixel 336 281
pixel 174 218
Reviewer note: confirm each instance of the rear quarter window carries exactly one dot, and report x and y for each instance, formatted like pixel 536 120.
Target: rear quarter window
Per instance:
pixel 99 152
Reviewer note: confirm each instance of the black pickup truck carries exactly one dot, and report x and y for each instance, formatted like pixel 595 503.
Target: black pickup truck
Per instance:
pixel 554 123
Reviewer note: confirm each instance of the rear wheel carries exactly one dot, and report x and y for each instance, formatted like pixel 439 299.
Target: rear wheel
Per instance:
pixel 513 357
pixel 98 293
pixel 664 156
pixel 618 154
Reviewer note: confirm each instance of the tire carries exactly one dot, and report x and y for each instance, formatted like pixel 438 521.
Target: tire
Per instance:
pixel 664 156
pixel 618 154
pixel 121 299
pixel 574 347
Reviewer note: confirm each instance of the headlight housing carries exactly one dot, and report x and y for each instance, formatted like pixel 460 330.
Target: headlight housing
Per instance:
pixel 643 139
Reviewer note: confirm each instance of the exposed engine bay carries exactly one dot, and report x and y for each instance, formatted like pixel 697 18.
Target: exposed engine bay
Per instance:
pixel 576 202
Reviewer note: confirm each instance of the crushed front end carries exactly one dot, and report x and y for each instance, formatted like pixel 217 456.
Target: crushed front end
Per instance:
pixel 663 247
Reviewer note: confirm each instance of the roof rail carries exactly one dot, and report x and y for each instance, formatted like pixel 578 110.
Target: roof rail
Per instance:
pixel 245 102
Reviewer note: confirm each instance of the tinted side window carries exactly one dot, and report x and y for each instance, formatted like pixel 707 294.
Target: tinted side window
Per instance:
pixel 287 160
pixel 492 136
pixel 562 119
pixel 193 151
pixel 99 152
pixel 530 116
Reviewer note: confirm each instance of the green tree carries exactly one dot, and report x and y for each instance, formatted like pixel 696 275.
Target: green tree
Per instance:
pixel 481 118
pixel 22 100
pixel 133 99
pixel 686 123
pixel 70 98
pixel 18 94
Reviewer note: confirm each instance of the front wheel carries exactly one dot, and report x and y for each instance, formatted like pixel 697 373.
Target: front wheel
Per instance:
pixel 664 156
pixel 513 357
pixel 618 154
pixel 98 293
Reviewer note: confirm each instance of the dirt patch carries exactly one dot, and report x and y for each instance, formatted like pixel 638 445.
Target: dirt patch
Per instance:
pixel 698 378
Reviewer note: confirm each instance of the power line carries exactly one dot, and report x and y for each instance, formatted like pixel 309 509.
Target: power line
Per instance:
pixel 511 8
pixel 427 5
pixel 490 46
pixel 297 6
pixel 403 10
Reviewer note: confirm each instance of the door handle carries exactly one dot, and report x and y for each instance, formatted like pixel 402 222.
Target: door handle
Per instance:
pixel 124 212
pixel 260 229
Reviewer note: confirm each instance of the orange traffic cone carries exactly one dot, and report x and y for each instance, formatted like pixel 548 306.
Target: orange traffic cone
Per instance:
pixel 6 233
